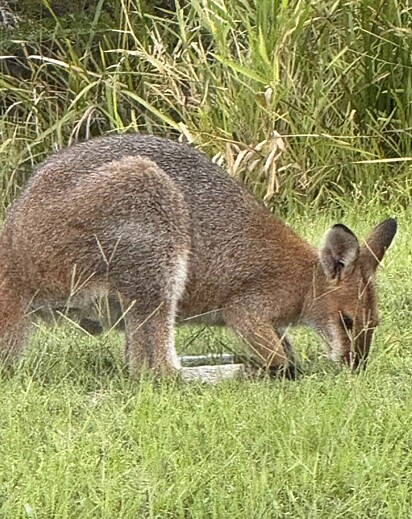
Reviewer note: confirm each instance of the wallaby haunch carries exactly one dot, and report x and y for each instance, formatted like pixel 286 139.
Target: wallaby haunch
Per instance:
pixel 166 236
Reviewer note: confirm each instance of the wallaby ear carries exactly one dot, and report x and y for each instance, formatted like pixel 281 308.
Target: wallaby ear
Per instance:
pixel 339 252
pixel 378 242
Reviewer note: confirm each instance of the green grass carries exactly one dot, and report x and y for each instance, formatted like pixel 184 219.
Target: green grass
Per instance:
pixel 81 439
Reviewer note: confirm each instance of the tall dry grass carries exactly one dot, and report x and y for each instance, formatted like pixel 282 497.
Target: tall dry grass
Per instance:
pixel 333 81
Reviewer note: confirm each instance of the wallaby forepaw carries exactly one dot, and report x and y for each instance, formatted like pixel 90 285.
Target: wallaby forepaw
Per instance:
pixel 289 372
pixel 91 326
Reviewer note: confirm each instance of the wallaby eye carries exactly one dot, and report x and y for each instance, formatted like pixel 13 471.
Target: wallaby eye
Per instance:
pixel 347 322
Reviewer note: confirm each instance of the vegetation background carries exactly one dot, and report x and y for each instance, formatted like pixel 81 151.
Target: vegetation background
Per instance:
pixel 333 79
pixel 309 103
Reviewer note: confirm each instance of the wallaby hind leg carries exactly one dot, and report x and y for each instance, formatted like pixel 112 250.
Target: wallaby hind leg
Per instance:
pixel 13 342
pixel 15 325
pixel 273 352
pixel 294 368
pixel 149 296
pixel 150 339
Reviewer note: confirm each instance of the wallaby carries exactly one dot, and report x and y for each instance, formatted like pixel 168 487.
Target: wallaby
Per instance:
pixel 169 237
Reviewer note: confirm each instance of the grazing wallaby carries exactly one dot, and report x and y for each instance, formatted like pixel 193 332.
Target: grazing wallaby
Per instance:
pixel 167 236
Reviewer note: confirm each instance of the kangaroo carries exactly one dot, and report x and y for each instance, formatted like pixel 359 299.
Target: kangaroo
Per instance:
pixel 168 237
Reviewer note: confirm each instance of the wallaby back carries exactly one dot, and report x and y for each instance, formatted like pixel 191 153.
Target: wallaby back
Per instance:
pixel 229 228
pixel 165 233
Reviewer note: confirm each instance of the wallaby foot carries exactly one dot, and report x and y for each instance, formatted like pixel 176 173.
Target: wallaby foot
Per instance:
pixel 273 352
pixel 91 326
pixel 150 341
pixel 294 369
pixel 103 314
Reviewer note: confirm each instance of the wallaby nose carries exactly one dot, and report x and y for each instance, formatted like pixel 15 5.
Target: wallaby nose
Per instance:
pixel 355 361
pixel 359 364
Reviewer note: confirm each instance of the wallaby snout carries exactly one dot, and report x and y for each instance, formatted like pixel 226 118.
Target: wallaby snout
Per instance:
pixel 347 305
pixel 167 237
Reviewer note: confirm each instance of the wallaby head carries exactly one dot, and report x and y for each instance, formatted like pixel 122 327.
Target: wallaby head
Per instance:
pixel 343 304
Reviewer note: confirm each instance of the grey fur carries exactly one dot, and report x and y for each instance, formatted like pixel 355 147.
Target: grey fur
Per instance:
pixel 169 237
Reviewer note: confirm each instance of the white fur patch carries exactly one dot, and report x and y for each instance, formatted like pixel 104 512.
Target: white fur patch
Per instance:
pixel 335 343
pixel 177 288
pixel 181 277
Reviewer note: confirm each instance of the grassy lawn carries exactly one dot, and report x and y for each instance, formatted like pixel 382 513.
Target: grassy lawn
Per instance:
pixel 81 439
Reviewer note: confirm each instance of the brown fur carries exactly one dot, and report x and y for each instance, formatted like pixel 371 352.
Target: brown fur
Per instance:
pixel 169 237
